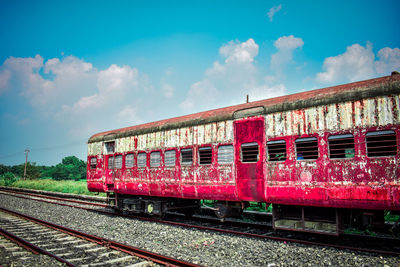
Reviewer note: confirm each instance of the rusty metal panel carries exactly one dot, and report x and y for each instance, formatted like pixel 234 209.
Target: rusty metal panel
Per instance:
pixel 311 117
pixel 298 122
pixel 207 134
pixel 369 112
pixel 335 117
pixel 269 125
pixel 95 148
pixel 214 132
pixel 358 111
pixel 321 118
pixel 229 131
pixel 397 107
pixel 385 111
pixel 220 135
pixel 289 123
pixel 200 134
pixel 279 124
pixel 345 115
pixel 331 118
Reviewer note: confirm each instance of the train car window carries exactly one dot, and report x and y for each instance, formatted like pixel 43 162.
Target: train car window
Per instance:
pixel 205 155
pixel 250 152
pixel 276 150
pixel 306 148
pixel 110 164
pixel 155 159
pixel 225 154
pixel 129 160
pixel 341 146
pixel 170 158
pixel 110 147
pixel 187 156
pixel 118 162
pixel 141 159
pixel 381 144
pixel 93 163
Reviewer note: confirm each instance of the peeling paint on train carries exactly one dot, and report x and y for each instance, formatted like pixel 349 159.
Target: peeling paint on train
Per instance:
pixel 351 182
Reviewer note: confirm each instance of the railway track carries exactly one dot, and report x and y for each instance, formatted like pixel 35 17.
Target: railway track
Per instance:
pixel 72 247
pixel 379 245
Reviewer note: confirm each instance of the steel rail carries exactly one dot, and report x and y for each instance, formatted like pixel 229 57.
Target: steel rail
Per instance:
pixel 31 247
pixel 227 231
pixel 57 198
pixel 141 253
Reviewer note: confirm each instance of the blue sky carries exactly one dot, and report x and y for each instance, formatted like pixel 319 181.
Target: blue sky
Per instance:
pixel 69 69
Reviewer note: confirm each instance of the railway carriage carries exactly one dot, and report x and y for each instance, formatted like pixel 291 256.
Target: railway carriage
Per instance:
pixel 323 158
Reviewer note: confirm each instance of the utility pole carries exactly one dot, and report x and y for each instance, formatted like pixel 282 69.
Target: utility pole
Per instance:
pixel 26 161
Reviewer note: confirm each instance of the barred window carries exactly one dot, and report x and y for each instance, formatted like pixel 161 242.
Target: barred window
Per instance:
pixel 205 155
pixel 141 159
pixel 93 163
pixel 250 152
pixel 155 159
pixel 118 162
pixel 276 150
pixel 129 160
pixel 110 147
pixel 381 143
pixel 307 148
pixel 225 154
pixel 110 163
pixel 341 146
pixel 187 156
pixel 170 158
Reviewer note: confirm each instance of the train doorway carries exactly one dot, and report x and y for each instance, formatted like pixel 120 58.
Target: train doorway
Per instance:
pixel 250 158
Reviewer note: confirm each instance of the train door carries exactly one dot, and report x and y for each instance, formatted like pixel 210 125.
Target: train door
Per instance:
pixel 250 158
pixel 109 171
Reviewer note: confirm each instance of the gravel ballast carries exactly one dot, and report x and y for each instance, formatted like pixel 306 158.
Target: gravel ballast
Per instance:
pixel 197 246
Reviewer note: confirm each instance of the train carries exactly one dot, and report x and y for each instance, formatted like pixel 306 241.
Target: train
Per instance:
pixel 325 159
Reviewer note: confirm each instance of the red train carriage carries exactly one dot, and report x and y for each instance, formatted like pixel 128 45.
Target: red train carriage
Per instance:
pixel 323 158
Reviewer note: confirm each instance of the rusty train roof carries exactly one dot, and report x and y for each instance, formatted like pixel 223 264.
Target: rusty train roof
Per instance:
pixel 347 92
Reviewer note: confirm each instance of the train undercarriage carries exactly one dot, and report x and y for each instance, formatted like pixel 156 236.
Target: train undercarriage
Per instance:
pixel 330 221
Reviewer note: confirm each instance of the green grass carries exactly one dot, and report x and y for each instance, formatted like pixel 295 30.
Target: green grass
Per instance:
pixel 63 186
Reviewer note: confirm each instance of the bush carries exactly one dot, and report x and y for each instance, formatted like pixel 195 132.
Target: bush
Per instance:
pixel 8 178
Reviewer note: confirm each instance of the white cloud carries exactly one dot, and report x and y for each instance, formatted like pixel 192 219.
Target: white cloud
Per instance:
pixel 167 90
pixel 61 80
pixel 273 10
pixel 73 93
pixel 237 52
pixel 286 46
pixel 128 115
pixel 358 63
pixel 229 82
pixel 389 60
pixel 4 80
pixel 202 93
pixel 265 91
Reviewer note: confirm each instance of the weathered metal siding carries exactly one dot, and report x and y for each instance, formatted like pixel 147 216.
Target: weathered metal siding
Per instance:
pixel 335 182
pixel 212 181
pixel 380 111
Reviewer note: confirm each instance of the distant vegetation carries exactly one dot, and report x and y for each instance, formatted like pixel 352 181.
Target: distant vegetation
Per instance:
pixel 71 168
pixel 69 176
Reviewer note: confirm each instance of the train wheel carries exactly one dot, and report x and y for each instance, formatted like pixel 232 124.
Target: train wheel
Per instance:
pixel 228 209
pixel 154 209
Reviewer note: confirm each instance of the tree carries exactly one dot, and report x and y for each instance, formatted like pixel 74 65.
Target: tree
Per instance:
pixel 4 169
pixel 71 168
